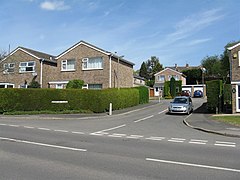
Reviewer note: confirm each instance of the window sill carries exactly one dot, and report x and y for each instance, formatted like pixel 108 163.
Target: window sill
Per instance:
pixel 68 70
pixel 92 69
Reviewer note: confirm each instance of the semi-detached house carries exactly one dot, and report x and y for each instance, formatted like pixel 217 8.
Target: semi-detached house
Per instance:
pixel 96 67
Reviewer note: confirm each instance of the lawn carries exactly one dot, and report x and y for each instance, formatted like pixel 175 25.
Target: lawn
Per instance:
pixel 234 120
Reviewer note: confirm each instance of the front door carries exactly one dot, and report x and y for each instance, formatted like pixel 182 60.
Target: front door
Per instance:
pixel 238 98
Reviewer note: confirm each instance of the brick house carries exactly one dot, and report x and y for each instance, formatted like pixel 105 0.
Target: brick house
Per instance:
pixel 234 58
pixel 96 67
pixel 166 75
pixel 23 65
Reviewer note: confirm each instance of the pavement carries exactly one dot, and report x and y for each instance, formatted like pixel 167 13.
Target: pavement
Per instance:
pixel 201 120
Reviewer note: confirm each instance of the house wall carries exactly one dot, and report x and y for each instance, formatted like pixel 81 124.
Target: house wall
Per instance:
pixel 168 73
pixel 19 78
pixel 234 58
pixel 97 76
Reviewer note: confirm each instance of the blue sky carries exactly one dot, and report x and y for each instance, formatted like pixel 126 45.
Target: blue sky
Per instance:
pixel 176 31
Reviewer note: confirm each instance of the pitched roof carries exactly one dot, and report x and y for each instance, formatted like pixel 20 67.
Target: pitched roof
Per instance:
pixel 36 54
pixel 183 68
pixel 170 70
pixel 234 46
pixel 95 48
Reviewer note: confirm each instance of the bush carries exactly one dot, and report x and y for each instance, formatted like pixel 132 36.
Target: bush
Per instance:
pixel 214 92
pixel 75 84
pixel 78 99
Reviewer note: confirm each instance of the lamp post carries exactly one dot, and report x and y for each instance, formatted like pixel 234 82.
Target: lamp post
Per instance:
pixel 203 71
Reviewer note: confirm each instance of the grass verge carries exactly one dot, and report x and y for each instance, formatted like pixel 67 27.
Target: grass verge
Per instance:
pixel 234 120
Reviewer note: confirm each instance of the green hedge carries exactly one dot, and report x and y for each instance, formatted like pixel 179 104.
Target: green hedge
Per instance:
pixel 167 94
pixel 93 100
pixel 214 92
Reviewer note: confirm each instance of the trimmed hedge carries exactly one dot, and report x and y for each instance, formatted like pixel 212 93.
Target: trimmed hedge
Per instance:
pixel 93 100
pixel 166 91
pixel 214 92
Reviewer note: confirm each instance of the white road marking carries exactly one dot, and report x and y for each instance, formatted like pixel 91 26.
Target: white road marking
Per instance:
pixel 116 135
pixel 163 111
pixel 226 144
pixel 176 140
pixel 13 125
pixel 134 136
pixel 45 129
pixel 42 144
pixel 29 127
pixel 60 130
pixel 117 127
pixel 96 134
pixel 75 132
pixel 143 119
pixel 3 124
pixel 156 138
pixel 193 165
pixel 196 141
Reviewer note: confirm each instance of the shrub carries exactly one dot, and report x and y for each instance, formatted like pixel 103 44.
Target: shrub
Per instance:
pixel 214 92
pixel 78 99
pixel 75 84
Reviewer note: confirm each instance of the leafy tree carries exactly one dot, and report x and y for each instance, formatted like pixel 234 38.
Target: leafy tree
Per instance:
pixel 194 76
pixel 75 84
pixel 172 87
pixel 212 64
pixel 153 66
pixel 143 71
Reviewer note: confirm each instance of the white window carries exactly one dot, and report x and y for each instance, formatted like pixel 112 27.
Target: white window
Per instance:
pixel 161 78
pixel 27 67
pixel 92 63
pixel 8 67
pixel 94 86
pixel 59 86
pixel 68 65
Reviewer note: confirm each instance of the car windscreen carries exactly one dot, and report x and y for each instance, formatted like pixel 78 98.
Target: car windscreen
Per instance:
pixel 180 100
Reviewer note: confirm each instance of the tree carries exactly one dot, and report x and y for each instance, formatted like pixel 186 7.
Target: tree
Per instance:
pixel 172 87
pixel 153 66
pixel 194 76
pixel 143 71
pixel 212 64
pixel 75 84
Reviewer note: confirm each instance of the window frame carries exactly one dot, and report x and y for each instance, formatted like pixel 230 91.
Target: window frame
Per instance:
pixel 7 66
pixel 27 66
pixel 65 62
pixel 85 63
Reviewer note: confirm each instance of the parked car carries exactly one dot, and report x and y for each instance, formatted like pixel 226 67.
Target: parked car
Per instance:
pixel 181 104
pixel 198 93
pixel 186 93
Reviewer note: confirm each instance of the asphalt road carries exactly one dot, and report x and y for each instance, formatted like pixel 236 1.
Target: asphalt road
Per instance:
pixel 141 144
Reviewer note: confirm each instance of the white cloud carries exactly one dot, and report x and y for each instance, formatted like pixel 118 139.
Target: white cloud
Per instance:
pixel 54 5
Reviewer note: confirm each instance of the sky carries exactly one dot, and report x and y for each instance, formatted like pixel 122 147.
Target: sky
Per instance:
pixel 176 31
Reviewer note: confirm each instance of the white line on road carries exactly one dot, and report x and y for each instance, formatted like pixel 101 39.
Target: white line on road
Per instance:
pixel 45 129
pixel 143 119
pixel 75 132
pixel 163 111
pixel 60 130
pixel 226 144
pixel 42 144
pixel 117 127
pixel 155 138
pixel 3 124
pixel 197 141
pixel 13 125
pixel 29 127
pixel 176 140
pixel 134 136
pixel 193 165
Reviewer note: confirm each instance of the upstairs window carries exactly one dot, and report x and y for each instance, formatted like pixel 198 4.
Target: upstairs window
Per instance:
pixel 92 63
pixel 8 67
pixel 27 67
pixel 161 78
pixel 68 65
